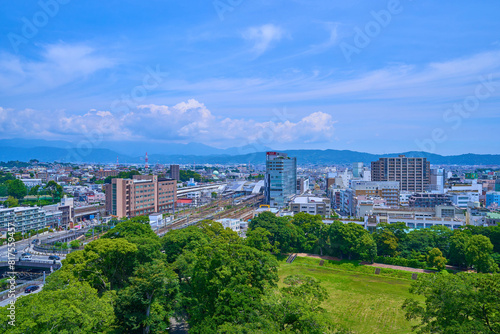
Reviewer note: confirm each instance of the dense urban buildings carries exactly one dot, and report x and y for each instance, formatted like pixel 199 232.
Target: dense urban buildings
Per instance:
pixel 141 195
pixel 280 179
pixel 413 174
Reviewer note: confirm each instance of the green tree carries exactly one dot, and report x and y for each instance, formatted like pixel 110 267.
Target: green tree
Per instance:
pixel 455 304
pixel 146 304
pixel 140 219
pixel 175 242
pixel 312 227
pixel 16 189
pixel 55 190
pixel 387 243
pixel 286 236
pixel 34 190
pixel 74 244
pixel 4 191
pixel 11 202
pixel 351 240
pixel 73 308
pixel 478 254
pixel 224 282
pixel 436 259
pixel 104 263
pixel 458 249
pixel 259 239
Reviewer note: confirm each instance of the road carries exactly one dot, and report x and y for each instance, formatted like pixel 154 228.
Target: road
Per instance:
pixel 6 301
pixel 26 245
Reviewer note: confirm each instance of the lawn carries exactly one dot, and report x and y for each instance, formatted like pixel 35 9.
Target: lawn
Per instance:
pixel 362 302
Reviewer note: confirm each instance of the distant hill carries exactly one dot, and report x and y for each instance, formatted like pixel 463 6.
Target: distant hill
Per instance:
pixel 61 151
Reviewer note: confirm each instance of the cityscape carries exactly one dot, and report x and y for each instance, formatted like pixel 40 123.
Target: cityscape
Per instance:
pixel 237 167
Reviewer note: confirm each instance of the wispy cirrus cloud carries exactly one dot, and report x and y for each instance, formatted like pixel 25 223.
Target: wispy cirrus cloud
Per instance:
pixel 58 64
pixel 263 37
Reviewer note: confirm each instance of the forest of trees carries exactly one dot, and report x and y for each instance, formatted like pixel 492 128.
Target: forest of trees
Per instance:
pixel 471 247
pixel 132 281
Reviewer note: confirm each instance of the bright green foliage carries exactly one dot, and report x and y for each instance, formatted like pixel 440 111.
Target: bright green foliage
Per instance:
pixel 55 190
pixel 140 219
pixel 478 254
pixel 11 202
pixel 142 236
pixel 129 229
pixel 436 259
pixel 74 244
pixel 351 240
pixel 387 243
pixel 313 228
pixel 456 304
pixel 259 239
pixel 16 189
pixel 458 249
pixel 286 236
pixel 145 305
pixel 105 263
pixel 224 283
pixel 175 242
pixel 185 175
pixel 215 231
pixel 75 308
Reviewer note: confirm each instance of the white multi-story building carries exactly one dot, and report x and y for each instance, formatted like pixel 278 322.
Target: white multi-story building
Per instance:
pixel 404 198
pixel 30 183
pixel 233 224
pixel 23 219
pixel 312 205
pixel 462 194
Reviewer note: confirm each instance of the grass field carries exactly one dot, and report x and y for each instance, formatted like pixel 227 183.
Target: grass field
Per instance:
pixel 364 303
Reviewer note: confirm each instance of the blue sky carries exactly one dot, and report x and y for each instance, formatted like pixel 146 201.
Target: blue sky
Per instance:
pixel 372 76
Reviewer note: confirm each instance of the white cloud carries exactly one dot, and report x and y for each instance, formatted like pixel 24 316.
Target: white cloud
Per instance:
pixel 189 121
pixel 263 37
pixel 59 64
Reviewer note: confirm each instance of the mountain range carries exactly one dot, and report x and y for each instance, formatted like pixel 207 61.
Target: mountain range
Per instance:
pixel 134 152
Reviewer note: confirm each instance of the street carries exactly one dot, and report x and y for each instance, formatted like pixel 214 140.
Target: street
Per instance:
pixel 27 245
pixel 6 301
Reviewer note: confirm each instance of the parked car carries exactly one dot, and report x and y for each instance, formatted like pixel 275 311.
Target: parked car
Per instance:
pixel 54 257
pixel 31 288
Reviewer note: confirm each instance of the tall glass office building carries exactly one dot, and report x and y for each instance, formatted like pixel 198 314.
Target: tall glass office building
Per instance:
pixel 281 179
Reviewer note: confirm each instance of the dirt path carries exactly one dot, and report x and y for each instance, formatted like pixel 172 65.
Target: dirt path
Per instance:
pixel 377 265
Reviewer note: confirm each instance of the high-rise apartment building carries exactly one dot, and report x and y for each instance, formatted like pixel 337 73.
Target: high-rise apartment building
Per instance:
pixel 413 174
pixel 175 172
pixel 281 179
pixel 142 195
